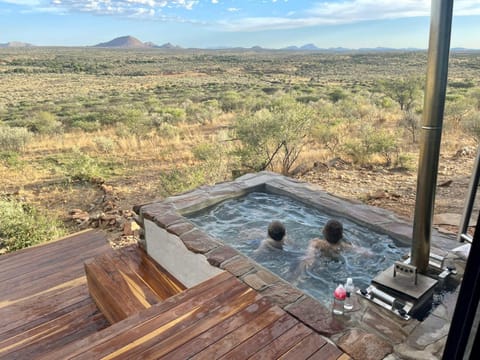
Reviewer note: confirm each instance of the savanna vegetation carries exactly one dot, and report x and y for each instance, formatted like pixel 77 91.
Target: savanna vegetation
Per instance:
pixel 77 123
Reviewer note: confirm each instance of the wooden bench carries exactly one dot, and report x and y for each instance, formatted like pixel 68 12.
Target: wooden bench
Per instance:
pixel 125 281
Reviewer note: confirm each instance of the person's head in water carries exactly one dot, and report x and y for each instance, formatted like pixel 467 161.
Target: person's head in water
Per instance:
pixel 276 230
pixel 333 231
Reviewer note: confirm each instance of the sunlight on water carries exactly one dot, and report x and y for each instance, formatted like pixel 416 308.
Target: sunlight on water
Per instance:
pixel 242 223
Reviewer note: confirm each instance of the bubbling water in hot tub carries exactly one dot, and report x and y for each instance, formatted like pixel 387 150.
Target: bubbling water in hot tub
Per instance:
pixel 242 223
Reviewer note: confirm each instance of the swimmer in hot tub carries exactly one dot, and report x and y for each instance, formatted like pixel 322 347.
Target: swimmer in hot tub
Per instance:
pixel 277 235
pixel 332 242
pixel 332 245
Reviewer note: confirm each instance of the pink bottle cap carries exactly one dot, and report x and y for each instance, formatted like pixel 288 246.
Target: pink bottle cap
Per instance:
pixel 340 293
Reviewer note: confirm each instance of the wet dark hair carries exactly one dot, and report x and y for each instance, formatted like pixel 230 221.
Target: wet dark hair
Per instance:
pixel 276 230
pixel 333 231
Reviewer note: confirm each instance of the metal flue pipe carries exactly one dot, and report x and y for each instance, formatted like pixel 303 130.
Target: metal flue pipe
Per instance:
pixel 434 104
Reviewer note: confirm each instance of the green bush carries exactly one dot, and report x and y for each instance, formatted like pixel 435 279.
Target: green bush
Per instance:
pixel 44 123
pixel 204 151
pixel 86 126
pixel 10 158
pixel 274 136
pixel 14 138
pixel 23 225
pixel 471 125
pixel 371 142
pixel 104 144
pixel 181 179
pixel 77 166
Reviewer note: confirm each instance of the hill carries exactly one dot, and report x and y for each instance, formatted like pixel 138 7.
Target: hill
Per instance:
pixel 125 42
pixel 15 44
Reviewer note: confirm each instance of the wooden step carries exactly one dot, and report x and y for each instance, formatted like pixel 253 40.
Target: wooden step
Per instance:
pixel 125 281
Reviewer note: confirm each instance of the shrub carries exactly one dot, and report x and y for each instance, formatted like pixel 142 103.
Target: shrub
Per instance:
pixel 204 151
pixel 86 126
pixel 44 123
pixel 23 225
pixel 275 135
pixel 10 158
pixel 369 142
pixel 104 144
pixel 14 138
pixel 472 125
pixel 181 179
pixel 81 167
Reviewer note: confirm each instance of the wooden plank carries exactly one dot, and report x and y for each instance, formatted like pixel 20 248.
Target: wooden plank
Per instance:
pixel 326 352
pixel 30 259
pixel 262 338
pixel 111 292
pixel 25 312
pixel 344 357
pixel 129 344
pixel 36 268
pixel 306 347
pixel 100 294
pixel 41 339
pixel 283 343
pixel 46 247
pixel 52 281
pixel 121 273
pixel 161 281
pixel 174 305
pixel 215 333
pixel 236 337
pixel 49 276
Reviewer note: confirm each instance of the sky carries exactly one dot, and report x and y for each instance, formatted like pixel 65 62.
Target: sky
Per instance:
pixel 226 23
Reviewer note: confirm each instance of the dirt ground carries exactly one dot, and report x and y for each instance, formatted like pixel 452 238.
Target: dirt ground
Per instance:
pixel 395 189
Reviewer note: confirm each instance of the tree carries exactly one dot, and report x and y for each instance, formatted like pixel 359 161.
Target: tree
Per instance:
pixel 276 134
pixel 404 91
pixel 411 122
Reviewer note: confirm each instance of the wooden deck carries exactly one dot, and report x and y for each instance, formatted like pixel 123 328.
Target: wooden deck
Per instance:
pixel 44 300
pixel 46 313
pixel 221 318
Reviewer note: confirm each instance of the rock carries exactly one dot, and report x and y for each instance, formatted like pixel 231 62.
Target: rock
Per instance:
pixel 446 183
pixel 466 151
pixel 301 169
pixel 380 194
pixel 361 345
pixel 79 216
pixel 131 228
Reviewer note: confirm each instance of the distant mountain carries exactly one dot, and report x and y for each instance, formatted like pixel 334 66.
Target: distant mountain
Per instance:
pixel 291 47
pixel 309 47
pixel 15 44
pixel 130 42
pixel 123 42
pixel 464 50
pixel 165 46
pixel 306 47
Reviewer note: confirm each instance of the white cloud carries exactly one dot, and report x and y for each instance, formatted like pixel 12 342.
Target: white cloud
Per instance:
pixel 22 2
pixel 130 8
pixel 347 11
pixel 321 12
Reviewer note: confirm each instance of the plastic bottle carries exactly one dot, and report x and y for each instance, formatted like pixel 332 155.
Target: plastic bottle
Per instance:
pixel 350 290
pixel 339 296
